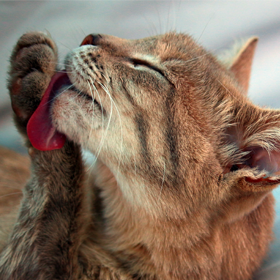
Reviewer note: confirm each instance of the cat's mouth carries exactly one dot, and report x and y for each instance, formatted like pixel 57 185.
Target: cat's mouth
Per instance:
pixel 40 130
pixel 88 97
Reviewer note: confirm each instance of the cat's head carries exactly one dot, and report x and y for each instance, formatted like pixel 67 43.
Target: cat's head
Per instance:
pixel 171 122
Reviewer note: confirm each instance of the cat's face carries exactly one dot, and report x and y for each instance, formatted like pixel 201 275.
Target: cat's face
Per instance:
pixel 126 93
pixel 125 80
pixel 156 111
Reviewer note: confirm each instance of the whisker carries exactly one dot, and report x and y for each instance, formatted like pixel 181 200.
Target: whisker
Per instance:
pixel 81 29
pixel 102 116
pixel 152 27
pixel 211 17
pixel 159 20
pixel 100 102
pixel 91 127
pixel 102 124
pixel 109 121
pixel 92 96
pixel 5 195
pixel 64 45
pixel 118 112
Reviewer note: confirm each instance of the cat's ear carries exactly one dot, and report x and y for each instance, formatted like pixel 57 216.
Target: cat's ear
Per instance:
pixel 256 138
pixel 252 145
pixel 239 61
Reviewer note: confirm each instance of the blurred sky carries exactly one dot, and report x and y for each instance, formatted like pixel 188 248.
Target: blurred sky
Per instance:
pixel 215 24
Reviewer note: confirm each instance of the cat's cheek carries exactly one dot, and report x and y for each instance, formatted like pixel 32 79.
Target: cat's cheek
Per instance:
pixel 68 118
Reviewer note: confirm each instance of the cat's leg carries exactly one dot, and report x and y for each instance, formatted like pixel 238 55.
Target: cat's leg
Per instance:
pixel 45 239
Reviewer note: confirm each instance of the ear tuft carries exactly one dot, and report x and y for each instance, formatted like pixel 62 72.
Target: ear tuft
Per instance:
pixel 239 60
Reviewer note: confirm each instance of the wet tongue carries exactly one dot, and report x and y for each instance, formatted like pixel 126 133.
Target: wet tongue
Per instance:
pixel 41 133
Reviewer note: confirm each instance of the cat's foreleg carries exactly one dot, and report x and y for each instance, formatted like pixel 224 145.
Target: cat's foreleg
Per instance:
pixel 45 239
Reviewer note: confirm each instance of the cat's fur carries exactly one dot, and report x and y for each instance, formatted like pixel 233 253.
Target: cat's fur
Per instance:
pixel 181 188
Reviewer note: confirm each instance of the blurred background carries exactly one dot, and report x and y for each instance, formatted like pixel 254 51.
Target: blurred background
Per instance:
pixel 214 24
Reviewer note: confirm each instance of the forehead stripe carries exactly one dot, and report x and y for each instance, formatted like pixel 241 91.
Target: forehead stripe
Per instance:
pixel 171 135
pixel 128 95
pixel 143 127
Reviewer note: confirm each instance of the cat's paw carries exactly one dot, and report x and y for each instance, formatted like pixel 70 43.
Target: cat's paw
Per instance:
pixel 32 64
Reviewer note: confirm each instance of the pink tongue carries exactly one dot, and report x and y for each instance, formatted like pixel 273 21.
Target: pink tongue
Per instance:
pixel 41 133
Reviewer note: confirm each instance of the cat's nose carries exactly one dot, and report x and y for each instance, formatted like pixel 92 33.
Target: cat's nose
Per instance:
pixel 92 39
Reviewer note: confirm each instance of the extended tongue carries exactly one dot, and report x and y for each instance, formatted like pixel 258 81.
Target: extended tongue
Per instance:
pixel 41 133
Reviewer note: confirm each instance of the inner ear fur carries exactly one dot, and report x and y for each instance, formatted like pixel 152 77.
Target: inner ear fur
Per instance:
pixel 255 134
pixel 239 61
pixel 256 138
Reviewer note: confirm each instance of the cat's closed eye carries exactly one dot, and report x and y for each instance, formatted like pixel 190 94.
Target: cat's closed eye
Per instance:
pixel 138 63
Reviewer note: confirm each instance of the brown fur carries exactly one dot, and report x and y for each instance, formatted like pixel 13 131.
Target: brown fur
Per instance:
pixel 181 187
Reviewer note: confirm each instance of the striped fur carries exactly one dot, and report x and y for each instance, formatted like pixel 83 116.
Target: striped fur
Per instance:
pixel 177 190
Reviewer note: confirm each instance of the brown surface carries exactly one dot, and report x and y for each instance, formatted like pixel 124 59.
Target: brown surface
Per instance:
pixel 14 172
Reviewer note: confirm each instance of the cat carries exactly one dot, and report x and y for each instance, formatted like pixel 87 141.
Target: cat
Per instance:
pixel 181 187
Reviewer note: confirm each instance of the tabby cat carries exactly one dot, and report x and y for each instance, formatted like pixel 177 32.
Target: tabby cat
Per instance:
pixel 181 187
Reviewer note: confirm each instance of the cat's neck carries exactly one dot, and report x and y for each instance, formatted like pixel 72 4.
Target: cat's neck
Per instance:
pixel 133 211
pixel 134 228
